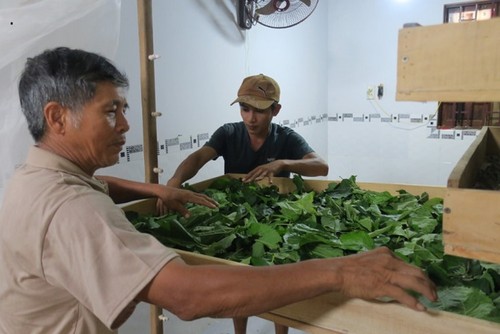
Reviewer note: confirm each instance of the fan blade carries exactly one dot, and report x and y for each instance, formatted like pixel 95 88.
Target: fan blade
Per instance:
pixel 306 2
pixel 267 9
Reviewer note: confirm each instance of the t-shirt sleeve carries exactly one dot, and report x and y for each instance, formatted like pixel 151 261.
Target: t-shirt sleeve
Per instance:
pixel 297 146
pixel 97 255
pixel 218 140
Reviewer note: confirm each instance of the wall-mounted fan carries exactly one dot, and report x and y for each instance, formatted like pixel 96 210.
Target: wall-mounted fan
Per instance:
pixel 274 13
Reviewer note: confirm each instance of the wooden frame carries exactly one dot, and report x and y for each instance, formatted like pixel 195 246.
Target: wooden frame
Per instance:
pixel 148 100
pixel 471 220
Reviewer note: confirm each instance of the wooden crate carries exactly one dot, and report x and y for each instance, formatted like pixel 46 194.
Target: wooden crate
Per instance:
pixel 334 313
pixel 449 62
pixel 471 219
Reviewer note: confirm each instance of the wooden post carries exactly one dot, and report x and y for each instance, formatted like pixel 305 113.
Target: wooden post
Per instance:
pixel 144 10
pixel 145 21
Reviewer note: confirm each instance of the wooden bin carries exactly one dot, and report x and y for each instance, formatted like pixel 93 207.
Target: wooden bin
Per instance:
pixel 449 62
pixel 334 313
pixel 471 220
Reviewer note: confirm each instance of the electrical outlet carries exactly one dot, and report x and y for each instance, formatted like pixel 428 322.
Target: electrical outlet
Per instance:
pixel 370 93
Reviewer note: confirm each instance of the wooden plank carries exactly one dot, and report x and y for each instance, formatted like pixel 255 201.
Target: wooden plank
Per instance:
pixel 300 325
pixel 200 259
pixel 471 218
pixel 471 224
pixel 143 207
pixel 336 314
pixel 449 62
pixel 148 98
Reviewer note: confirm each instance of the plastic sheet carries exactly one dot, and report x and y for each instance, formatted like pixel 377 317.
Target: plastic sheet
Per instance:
pixel 27 28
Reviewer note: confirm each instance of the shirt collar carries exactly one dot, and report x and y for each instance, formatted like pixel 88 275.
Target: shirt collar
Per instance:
pixel 41 158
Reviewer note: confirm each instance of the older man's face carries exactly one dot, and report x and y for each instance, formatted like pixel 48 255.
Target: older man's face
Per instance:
pixel 99 135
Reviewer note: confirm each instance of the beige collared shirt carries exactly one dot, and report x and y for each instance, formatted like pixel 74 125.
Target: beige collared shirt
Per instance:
pixel 70 260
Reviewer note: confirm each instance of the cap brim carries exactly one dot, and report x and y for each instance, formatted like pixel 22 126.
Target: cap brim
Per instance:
pixel 254 102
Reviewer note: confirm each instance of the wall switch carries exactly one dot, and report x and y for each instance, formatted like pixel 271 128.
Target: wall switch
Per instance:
pixel 370 93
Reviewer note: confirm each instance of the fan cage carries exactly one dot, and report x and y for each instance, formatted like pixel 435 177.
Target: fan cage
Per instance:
pixel 293 15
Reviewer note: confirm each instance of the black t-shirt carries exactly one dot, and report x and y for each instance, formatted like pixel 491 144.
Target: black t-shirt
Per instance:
pixel 231 141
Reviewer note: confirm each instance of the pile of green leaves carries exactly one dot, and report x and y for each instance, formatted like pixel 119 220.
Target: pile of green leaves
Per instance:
pixel 257 225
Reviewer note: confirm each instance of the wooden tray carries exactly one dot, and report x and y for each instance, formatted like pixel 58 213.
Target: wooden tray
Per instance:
pixel 334 313
pixel 471 219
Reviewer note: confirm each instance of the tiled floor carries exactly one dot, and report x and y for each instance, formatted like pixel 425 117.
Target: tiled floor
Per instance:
pixel 139 324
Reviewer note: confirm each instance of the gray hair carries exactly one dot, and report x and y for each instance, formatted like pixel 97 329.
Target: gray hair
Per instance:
pixel 63 75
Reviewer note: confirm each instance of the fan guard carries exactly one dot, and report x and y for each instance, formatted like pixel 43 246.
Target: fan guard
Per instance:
pixel 274 13
pixel 283 13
